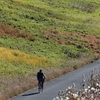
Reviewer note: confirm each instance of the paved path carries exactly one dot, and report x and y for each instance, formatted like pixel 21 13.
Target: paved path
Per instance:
pixel 61 83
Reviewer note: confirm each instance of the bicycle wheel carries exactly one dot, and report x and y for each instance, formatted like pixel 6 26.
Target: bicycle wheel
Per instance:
pixel 40 88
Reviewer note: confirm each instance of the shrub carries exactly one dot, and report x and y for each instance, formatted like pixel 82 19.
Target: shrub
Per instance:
pixel 88 91
pixel 84 6
pixel 75 67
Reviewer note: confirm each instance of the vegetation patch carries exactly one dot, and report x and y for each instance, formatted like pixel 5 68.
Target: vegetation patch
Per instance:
pixel 18 57
pixel 77 39
pixel 33 18
pixel 89 7
pixel 14 32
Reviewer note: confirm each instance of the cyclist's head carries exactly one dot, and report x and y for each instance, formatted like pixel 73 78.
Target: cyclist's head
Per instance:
pixel 40 70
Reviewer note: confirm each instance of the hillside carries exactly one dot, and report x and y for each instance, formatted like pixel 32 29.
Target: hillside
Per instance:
pixel 57 36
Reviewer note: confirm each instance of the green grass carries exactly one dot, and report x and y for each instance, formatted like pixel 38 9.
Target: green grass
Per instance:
pixel 8 70
pixel 36 16
pixel 45 48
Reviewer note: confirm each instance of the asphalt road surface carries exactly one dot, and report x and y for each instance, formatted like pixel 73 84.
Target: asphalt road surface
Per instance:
pixel 51 88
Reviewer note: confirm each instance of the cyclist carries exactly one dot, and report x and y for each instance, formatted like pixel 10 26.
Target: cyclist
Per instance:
pixel 40 77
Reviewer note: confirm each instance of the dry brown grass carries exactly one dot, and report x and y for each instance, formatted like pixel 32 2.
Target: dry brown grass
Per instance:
pixel 90 41
pixel 16 86
pixel 14 32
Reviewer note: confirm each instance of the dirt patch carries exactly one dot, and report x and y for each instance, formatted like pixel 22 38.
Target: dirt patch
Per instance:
pixel 90 41
pixel 93 42
pixel 14 32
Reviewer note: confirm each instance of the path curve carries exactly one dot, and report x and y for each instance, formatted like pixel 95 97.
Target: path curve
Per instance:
pixel 61 83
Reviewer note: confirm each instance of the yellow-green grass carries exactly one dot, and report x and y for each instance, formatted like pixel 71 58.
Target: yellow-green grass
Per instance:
pixel 17 57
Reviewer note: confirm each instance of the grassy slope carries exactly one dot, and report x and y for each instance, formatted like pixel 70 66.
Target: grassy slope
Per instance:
pixel 46 26
pixel 36 16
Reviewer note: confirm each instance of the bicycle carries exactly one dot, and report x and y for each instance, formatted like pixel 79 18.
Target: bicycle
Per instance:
pixel 40 87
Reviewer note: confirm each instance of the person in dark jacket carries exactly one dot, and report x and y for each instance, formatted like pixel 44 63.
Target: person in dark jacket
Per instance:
pixel 40 77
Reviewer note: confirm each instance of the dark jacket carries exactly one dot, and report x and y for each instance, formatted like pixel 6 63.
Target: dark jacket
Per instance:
pixel 40 76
